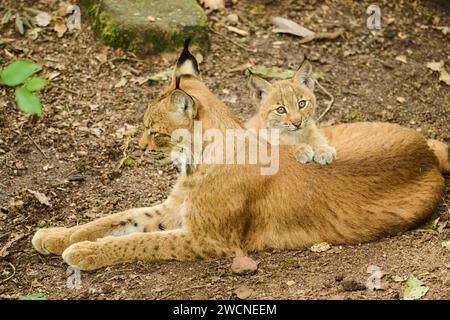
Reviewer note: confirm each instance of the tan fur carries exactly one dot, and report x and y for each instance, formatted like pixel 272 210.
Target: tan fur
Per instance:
pixel 297 124
pixel 385 181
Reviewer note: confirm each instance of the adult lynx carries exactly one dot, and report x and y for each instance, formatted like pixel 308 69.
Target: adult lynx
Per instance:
pixel 386 180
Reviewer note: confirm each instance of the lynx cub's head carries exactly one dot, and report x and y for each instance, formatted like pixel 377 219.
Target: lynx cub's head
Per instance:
pixel 287 105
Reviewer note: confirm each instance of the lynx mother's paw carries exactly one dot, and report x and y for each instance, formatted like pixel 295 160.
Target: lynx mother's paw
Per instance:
pixel 84 255
pixel 325 155
pixel 51 240
pixel 304 153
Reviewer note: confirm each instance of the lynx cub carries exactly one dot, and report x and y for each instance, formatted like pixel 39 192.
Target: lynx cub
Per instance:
pixel 290 105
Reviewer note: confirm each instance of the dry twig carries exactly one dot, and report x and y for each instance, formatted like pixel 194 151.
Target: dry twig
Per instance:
pixel 37 146
pixel 330 104
pixel 13 272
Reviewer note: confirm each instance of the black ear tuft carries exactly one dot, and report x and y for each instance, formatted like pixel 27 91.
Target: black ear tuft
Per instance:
pixel 187 56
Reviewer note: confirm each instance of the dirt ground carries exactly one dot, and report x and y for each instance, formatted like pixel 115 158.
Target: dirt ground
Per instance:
pixel 87 110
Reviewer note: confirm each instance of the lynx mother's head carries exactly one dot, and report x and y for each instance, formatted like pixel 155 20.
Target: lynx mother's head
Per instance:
pixel 174 109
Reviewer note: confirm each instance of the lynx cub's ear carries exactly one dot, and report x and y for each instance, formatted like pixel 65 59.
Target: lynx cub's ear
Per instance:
pixel 303 75
pixel 182 102
pixel 259 87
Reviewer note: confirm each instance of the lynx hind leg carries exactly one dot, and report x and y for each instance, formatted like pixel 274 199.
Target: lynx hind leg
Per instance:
pixel 56 240
pixel 176 244
pixel 324 154
pixel 303 152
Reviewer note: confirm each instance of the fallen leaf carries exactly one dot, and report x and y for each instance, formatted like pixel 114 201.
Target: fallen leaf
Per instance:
pixel 415 289
pixel 19 24
pixel 43 19
pixel 6 17
pixel 4 250
pixel 320 247
pixel 60 27
pixel 439 67
pixel 401 58
pixel 401 99
pixel 291 27
pixel 121 83
pixel 244 265
pixel 53 75
pixel 444 30
pixel 42 198
pixel 399 278
pixel 243 292
pixel 34 33
pixel 444 76
pixel 101 57
pixel 435 66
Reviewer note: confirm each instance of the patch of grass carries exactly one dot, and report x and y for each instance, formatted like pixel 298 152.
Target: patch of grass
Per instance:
pixel 129 163
pixel 354 116
pixel 289 263
pixel 82 166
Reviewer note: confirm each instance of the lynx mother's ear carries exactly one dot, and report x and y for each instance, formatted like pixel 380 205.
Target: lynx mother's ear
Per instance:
pixel 259 87
pixel 186 63
pixel 183 103
pixel 303 76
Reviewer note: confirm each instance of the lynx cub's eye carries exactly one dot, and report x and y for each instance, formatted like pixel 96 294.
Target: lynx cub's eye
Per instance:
pixel 281 110
pixel 302 103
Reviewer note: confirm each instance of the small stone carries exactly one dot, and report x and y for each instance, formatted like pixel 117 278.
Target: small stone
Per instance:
pixel 352 285
pixel 320 247
pixel 244 265
pixel 243 292
pixel 233 19
pixel 290 283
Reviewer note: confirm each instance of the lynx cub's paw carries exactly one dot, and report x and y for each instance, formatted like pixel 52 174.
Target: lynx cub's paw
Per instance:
pixel 325 155
pixel 303 153
pixel 51 240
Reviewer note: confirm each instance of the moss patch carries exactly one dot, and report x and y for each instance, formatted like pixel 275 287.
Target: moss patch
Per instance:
pixel 148 27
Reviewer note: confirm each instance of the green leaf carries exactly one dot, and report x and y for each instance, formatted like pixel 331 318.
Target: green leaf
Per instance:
pixel 415 289
pixel 28 102
pixel 18 71
pixel 271 73
pixel 33 296
pixel 35 83
pixel 154 78
pixel 317 76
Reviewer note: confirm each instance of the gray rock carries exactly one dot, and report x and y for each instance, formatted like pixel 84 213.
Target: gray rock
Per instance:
pixel 148 26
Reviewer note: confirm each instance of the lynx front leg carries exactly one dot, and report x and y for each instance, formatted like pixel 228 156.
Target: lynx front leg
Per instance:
pixel 176 244
pixel 323 152
pixel 56 240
